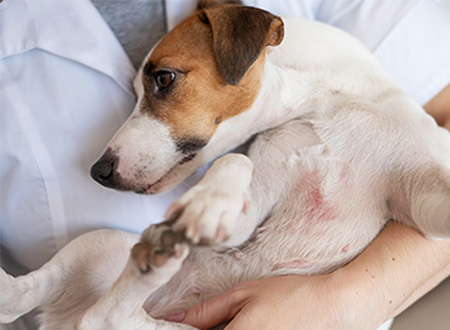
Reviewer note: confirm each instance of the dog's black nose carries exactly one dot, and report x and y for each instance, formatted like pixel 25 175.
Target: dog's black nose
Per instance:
pixel 102 172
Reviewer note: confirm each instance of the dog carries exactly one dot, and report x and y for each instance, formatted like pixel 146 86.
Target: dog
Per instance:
pixel 337 150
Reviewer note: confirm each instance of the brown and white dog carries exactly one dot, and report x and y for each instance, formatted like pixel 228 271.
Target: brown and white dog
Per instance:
pixel 339 150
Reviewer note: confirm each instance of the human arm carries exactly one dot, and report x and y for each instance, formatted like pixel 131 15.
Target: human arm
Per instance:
pixel 439 108
pixel 397 268
pixel 394 271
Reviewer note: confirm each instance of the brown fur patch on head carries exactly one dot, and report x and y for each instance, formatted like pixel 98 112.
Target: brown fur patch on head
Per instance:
pixel 203 4
pixel 202 94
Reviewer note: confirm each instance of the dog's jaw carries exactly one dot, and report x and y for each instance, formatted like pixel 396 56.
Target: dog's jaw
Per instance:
pixel 170 179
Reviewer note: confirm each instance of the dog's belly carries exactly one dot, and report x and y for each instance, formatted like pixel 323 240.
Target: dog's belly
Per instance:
pixel 305 235
pixel 330 209
pixel 305 248
pixel 324 219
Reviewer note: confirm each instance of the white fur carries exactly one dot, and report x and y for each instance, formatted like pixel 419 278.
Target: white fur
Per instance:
pixel 135 160
pixel 340 151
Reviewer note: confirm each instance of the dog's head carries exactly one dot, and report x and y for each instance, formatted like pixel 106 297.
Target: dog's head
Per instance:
pixel 204 72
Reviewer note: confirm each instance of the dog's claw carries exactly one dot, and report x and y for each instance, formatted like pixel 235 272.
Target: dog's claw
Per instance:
pixel 189 233
pixel 221 235
pixel 173 212
pixel 197 235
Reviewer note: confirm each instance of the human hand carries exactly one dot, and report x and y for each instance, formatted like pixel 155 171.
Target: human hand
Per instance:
pixel 286 302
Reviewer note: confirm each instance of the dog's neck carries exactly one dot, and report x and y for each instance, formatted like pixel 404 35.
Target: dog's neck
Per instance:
pixel 285 94
pixel 303 78
pixel 268 111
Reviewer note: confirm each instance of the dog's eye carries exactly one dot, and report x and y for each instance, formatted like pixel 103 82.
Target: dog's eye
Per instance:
pixel 163 79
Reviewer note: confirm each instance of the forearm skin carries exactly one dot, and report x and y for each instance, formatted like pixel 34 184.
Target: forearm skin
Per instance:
pixel 398 268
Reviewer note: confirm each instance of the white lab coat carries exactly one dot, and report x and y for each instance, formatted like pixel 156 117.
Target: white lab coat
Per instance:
pixel 66 88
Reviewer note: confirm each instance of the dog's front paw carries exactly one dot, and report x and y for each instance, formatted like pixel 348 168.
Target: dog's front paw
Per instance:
pixel 207 213
pixel 160 247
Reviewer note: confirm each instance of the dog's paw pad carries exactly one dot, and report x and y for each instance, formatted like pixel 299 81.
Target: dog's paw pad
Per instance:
pixel 162 257
pixel 170 238
pixel 159 244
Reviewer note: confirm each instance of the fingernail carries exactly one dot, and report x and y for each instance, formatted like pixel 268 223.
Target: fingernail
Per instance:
pixel 176 317
pixel 173 212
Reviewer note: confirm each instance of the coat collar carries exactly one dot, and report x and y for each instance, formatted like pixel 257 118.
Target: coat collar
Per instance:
pixel 70 29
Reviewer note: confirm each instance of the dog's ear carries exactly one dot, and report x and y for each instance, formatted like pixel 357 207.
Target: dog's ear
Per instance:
pixel 239 36
pixel 202 4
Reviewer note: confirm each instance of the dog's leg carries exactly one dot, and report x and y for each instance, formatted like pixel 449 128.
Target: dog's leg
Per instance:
pixel 209 210
pixel 421 195
pixel 68 271
pixel 21 295
pixel 153 261
pixel 238 192
pixel 431 207
pixel 429 202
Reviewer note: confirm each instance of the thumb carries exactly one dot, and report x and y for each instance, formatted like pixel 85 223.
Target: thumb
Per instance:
pixel 212 312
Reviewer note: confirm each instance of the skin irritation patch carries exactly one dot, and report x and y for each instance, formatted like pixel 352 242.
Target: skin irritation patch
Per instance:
pixel 319 209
